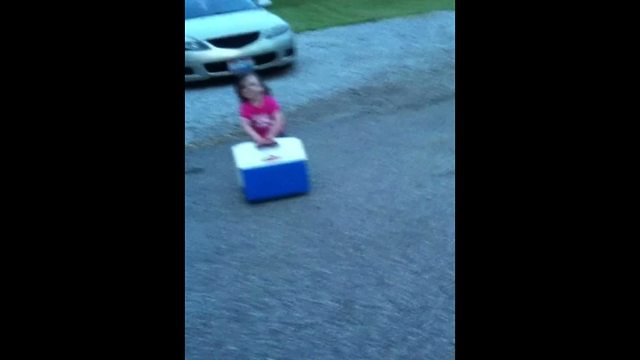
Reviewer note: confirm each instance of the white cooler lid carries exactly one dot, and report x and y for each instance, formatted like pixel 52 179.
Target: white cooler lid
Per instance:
pixel 247 155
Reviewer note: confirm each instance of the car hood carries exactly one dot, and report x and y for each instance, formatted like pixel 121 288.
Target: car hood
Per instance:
pixel 230 24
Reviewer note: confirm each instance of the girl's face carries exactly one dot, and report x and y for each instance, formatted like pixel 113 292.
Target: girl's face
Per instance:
pixel 251 88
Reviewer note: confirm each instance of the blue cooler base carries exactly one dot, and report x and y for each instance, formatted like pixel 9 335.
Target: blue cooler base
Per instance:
pixel 275 181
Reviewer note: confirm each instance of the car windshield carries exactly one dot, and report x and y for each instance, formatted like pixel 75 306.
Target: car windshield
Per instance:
pixel 200 8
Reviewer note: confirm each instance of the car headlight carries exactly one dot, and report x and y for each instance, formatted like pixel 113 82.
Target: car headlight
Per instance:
pixel 276 31
pixel 194 45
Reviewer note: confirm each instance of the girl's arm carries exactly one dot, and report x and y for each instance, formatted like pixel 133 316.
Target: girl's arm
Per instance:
pixel 249 130
pixel 278 125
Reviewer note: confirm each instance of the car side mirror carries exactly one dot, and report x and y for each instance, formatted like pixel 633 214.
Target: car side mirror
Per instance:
pixel 263 3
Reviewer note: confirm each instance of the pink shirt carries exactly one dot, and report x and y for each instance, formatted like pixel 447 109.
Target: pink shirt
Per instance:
pixel 261 118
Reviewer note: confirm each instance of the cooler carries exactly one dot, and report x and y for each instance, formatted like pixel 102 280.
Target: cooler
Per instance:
pixel 271 172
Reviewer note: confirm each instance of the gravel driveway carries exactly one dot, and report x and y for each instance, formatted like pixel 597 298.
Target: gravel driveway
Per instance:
pixel 338 60
pixel 363 266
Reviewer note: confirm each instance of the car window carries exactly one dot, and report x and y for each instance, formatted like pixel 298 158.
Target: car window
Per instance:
pixel 199 8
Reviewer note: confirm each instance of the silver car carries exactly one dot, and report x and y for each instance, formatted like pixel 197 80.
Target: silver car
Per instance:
pixel 226 37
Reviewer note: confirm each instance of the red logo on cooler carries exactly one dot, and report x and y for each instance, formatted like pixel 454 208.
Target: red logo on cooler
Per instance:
pixel 271 158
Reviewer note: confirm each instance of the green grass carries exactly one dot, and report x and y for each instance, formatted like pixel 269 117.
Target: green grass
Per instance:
pixel 305 15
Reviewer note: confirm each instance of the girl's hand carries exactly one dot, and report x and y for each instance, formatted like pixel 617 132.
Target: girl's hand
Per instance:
pixel 264 141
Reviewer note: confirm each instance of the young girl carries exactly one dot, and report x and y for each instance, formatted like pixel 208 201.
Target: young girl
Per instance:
pixel 260 113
